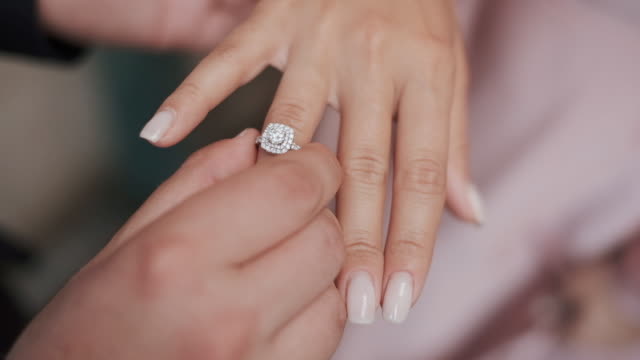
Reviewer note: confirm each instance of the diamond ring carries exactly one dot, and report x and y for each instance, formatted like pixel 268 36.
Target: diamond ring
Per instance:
pixel 277 139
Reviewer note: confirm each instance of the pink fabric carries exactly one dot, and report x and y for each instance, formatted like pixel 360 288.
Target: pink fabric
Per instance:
pixel 555 131
pixel 539 346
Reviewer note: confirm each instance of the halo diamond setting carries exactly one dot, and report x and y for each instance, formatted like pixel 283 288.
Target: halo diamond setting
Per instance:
pixel 277 139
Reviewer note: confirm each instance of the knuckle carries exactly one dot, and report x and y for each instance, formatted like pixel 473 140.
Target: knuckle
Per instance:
pixel 190 92
pixel 160 264
pixel 409 244
pixel 296 182
pixel 290 112
pixel 372 31
pixel 459 147
pixel 327 8
pixel 233 55
pixel 423 176
pixel 359 247
pixel 226 52
pixel 435 61
pixel 440 45
pixel 367 167
pixel 441 57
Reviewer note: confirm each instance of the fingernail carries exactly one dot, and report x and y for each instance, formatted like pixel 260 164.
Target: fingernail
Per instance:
pixel 158 126
pixel 398 298
pixel 477 205
pixel 242 133
pixel 361 299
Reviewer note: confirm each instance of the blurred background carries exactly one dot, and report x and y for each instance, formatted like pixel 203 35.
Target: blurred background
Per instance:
pixel 72 167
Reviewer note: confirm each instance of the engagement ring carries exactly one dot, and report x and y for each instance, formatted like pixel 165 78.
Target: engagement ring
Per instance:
pixel 277 139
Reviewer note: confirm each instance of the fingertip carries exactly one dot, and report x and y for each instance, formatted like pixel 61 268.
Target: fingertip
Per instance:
pixel 360 282
pixel 243 133
pixel 465 200
pixel 156 129
pixel 477 204
pixel 242 147
pixel 226 157
pixel 361 298
pixel 246 139
pixel 398 297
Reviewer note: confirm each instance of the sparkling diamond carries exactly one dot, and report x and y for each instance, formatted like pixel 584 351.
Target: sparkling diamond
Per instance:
pixel 277 138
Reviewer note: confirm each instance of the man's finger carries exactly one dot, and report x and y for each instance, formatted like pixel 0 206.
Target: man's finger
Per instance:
pixel 287 278
pixel 299 340
pixel 257 208
pixel 203 169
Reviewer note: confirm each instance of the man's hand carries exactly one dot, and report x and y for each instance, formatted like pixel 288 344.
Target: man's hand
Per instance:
pixel 156 24
pixel 222 262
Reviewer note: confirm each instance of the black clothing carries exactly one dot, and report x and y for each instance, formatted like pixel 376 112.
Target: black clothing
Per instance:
pixel 21 33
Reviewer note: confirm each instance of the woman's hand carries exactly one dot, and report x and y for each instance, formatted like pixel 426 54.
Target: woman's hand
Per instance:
pixel 374 60
pixel 157 24
pixel 222 262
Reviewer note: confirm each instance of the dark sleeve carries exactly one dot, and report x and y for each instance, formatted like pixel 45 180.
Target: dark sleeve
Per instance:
pixel 21 33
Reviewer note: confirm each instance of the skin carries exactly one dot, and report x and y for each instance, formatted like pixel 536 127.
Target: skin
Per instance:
pixel 195 25
pixel 375 61
pixel 188 278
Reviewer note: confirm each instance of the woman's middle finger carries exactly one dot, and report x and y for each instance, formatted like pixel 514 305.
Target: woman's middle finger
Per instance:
pixel 419 183
pixel 367 107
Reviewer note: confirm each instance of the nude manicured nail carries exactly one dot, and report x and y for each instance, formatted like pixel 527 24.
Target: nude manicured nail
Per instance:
pixel 398 298
pixel 158 126
pixel 243 133
pixel 361 299
pixel 477 205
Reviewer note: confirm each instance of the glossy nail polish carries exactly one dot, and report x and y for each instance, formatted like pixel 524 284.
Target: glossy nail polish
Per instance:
pixel 361 299
pixel 477 205
pixel 158 126
pixel 242 133
pixel 398 298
